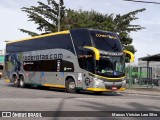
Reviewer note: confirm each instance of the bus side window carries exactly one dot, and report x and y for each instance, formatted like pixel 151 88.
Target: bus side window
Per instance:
pixel 86 63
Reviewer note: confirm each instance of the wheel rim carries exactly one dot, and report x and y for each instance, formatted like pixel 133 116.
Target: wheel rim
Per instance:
pixel 72 85
pixel 15 81
pixel 21 83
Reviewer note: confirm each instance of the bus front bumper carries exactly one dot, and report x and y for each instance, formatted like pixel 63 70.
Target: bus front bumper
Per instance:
pixel 104 86
pixel 104 89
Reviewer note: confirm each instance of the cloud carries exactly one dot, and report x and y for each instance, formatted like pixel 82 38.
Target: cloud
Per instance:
pixel 145 41
pixel 12 19
pixel 12 4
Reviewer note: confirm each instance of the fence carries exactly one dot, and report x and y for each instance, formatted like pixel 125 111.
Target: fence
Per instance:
pixel 142 77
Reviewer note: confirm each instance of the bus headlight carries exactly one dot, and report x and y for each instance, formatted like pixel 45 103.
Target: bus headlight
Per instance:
pixel 99 83
pixel 98 80
pixel 124 82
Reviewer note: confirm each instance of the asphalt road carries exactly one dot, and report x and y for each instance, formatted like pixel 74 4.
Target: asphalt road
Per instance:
pixel 33 99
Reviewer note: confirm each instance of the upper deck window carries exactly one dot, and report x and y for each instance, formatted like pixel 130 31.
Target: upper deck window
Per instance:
pixel 106 41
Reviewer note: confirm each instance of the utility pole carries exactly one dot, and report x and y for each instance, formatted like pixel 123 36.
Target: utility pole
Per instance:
pixel 59 16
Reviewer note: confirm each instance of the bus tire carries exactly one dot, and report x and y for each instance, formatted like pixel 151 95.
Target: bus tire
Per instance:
pixel 158 83
pixel 78 91
pixel 70 85
pixel 98 92
pixel 15 81
pixel 21 82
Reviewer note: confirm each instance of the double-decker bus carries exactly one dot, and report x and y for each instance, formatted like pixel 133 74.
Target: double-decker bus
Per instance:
pixel 78 59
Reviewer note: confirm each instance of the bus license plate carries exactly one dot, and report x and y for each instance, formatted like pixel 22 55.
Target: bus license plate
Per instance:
pixel 114 88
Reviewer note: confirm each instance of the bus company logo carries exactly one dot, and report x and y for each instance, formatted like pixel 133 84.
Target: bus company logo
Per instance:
pixel 106 36
pixel 111 53
pixel 67 69
pixel 6 114
pixel 28 63
pixel 42 57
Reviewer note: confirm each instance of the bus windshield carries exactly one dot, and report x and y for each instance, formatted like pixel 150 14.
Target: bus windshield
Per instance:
pixel 110 66
pixel 106 41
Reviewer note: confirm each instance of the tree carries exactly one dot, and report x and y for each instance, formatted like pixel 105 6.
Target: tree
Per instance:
pixel 123 27
pixel 120 24
pixel 45 16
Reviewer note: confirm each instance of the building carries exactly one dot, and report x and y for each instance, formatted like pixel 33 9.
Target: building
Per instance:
pixel 151 61
pixel 1 62
pixel 1 57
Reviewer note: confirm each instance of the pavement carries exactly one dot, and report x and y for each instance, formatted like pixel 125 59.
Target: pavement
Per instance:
pixel 155 91
pixel 142 91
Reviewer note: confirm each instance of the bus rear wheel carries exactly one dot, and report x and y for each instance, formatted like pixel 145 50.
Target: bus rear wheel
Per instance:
pixel 158 83
pixel 21 82
pixel 70 86
pixel 15 81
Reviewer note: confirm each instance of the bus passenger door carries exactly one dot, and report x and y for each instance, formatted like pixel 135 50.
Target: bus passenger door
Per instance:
pixel 87 63
pixel 58 74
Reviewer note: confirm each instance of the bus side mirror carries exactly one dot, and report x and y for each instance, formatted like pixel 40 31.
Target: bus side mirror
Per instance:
pixel 95 50
pixel 130 57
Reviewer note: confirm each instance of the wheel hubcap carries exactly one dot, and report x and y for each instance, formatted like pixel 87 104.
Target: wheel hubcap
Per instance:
pixel 72 86
pixel 15 81
pixel 21 83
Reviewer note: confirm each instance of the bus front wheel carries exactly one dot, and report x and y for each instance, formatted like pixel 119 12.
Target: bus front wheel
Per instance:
pixel 70 86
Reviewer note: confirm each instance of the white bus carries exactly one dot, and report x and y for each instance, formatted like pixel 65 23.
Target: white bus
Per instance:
pixel 78 59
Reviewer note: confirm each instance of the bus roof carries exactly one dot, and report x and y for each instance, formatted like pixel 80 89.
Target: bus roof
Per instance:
pixel 40 36
pixel 56 33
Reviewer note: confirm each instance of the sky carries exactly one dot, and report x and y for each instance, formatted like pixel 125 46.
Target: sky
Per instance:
pixel 146 41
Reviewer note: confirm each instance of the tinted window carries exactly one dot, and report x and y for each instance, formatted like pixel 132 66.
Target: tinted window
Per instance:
pixel 1 67
pixel 80 38
pixel 111 66
pixel 50 42
pixel 106 41
pixel 48 66
pixel 86 61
